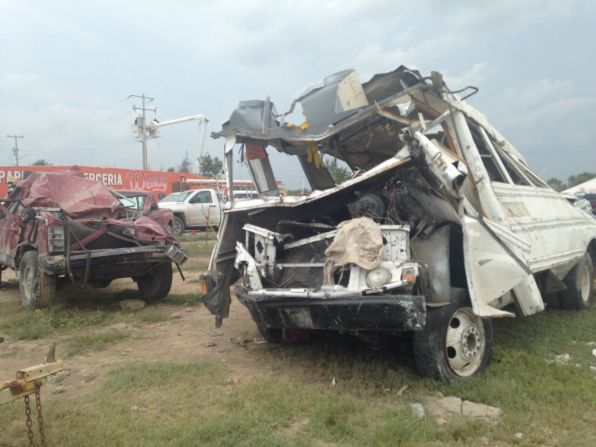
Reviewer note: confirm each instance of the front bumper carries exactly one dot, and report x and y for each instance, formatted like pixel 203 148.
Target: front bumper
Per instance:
pixel 109 263
pixel 385 313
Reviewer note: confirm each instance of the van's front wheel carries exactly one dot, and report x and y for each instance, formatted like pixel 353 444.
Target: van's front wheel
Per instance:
pixel 455 343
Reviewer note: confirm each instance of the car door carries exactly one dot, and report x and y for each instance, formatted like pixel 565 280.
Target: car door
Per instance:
pixel 202 210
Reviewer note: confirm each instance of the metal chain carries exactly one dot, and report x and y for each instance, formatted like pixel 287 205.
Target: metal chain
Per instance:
pixel 42 435
pixel 28 421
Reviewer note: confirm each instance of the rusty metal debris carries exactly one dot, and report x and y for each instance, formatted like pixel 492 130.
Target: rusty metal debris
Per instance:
pixel 29 381
pixel 469 232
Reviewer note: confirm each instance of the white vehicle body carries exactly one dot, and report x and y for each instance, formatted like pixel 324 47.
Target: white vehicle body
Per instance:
pixel 198 208
pixel 475 229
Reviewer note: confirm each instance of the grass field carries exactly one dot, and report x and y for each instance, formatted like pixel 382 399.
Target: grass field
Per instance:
pixel 293 403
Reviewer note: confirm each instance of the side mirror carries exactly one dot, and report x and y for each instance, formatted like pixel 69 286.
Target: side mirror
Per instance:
pixel 154 207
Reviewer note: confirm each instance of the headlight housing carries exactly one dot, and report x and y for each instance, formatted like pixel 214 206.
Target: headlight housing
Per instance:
pixel 378 277
pixel 56 239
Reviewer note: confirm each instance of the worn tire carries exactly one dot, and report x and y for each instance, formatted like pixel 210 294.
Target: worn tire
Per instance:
pixel 580 285
pixel 36 288
pixel 455 344
pixel 178 226
pixel 156 285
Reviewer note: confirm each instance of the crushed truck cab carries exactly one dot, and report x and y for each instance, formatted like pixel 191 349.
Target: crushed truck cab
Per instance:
pixel 441 227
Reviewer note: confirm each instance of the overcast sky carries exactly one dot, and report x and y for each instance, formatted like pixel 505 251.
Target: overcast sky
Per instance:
pixel 68 66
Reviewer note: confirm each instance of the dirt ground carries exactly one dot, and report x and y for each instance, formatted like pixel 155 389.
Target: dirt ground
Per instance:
pixel 374 392
pixel 188 335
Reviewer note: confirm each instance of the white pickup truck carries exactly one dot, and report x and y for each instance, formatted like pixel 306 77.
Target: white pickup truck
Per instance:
pixel 195 208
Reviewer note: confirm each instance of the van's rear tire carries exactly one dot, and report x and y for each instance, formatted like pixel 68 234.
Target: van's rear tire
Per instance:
pixel 37 289
pixel 580 285
pixel 157 284
pixel 455 344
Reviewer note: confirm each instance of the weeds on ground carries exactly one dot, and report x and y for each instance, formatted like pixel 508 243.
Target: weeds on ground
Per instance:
pixel 187 299
pixel 199 254
pixel 69 318
pixel 296 404
pixel 24 324
pixel 198 236
pixel 196 265
pixel 195 404
pixel 85 343
pixel 548 402
pixel 151 314
pixel 198 249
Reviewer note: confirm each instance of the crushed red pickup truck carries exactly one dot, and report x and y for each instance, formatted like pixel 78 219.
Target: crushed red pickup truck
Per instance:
pixel 62 225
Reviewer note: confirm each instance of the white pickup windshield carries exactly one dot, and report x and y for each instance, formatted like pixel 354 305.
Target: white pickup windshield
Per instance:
pixel 177 196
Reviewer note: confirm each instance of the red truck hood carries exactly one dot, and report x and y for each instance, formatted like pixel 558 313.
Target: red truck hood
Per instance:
pixel 69 191
pixel 84 199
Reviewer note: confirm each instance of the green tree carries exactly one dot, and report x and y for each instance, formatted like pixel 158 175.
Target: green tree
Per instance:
pixel 339 173
pixel 186 165
pixel 578 179
pixel 210 166
pixel 556 184
pixel 41 162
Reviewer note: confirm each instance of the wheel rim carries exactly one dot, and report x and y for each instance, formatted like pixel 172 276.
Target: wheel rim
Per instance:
pixel 465 342
pixel 584 285
pixel 176 227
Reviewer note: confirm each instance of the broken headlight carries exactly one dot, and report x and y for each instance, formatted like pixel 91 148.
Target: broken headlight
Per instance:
pixel 56 239
pixel 378 277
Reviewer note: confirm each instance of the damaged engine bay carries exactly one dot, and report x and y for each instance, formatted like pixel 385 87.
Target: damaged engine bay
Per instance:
pixel 423 237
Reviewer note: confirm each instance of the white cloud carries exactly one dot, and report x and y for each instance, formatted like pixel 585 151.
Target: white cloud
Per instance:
pixel 548 120
pixel 65 62
pixel 24 85
pixel 543 104
pixel 475 76
pixel 484 16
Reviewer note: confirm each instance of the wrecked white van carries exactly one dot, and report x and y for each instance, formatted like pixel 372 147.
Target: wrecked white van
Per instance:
pixel 441 228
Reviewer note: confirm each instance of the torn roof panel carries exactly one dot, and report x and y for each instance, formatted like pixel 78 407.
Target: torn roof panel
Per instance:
pixel 350 121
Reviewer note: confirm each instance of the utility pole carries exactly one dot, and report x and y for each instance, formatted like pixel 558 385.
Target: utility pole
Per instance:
pixel 15 149
pixel 141 125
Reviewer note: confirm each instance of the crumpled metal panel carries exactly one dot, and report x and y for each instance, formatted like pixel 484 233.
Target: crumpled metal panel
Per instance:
pixel 85 199
pixel 69 191
pixel 492 269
